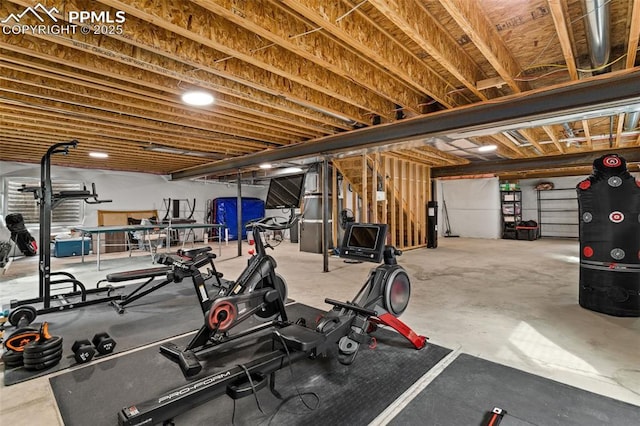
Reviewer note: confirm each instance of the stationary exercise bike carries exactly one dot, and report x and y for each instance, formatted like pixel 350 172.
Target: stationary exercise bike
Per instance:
pixel 259 293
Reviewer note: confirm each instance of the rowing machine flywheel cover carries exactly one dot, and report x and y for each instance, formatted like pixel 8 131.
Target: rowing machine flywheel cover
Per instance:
pixel 222 315
pixel 397 290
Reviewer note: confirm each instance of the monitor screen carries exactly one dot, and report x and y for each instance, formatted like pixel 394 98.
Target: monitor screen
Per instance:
pixel 363 237
pixel 364 241
pixel 285 192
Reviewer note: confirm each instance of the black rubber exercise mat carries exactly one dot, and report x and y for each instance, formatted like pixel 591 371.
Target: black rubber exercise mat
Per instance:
pixel 170 311
pixel 470 387
pixel 348 395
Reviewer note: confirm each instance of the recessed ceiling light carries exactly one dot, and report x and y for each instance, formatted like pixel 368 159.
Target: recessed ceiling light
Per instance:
pixel 197 98
pixel 292 170
pixel 98 155
pixel 265 166
pixel 487 148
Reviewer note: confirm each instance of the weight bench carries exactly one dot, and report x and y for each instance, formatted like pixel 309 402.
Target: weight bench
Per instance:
pixel 150 274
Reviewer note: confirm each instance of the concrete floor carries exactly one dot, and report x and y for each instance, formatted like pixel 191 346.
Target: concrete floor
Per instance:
pixel 512 302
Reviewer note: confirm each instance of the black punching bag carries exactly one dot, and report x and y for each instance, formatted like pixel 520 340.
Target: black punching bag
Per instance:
pixel 609 205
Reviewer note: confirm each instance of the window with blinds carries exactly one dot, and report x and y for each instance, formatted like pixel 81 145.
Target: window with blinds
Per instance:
pixel 68 212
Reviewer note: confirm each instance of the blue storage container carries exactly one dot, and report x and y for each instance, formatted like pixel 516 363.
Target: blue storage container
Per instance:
pixel 71 247
pixel 225 212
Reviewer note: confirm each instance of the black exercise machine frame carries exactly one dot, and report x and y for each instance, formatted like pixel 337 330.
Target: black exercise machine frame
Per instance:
pixel 174 272
pixel 176 401
pixel 347 320
pixel 47 201
pixel 258 286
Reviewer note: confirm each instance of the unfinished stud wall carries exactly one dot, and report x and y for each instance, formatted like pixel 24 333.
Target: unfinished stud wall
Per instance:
pixel 387 189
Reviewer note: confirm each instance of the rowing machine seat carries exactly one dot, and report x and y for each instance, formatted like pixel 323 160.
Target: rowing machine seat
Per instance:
pixel 299 338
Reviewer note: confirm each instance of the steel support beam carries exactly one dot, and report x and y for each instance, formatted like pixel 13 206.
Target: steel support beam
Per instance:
pixel 325 215
pixel 239 214
pixel 537 163
pixel 522 110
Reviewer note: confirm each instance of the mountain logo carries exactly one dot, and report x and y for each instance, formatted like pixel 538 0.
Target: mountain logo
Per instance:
pixel 38 11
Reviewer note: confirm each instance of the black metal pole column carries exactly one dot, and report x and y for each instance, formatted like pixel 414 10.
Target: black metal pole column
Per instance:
pixel 44 265
pixel 325 215
pixel 239 213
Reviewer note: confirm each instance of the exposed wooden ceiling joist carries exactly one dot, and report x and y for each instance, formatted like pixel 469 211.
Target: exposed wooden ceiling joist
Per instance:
pixel 471 18
pixel 578 97
pixel 425 31
pixel 559 14
pixel 287 74
pixel 207 29
pixel 314 45
pixel 634 33
pixel 354 29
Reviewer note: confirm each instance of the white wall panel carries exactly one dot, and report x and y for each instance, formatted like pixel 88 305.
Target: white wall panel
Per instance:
pixel 473 206
pixel 134 191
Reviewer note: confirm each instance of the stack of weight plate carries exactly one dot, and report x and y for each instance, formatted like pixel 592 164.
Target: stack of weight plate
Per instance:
pixel 42 354
pixel 12 359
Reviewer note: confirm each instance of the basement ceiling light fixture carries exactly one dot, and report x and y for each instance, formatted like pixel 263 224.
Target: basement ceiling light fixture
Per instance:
pixel 292 170
pixel 98 155
pixel 487 148
pixel 197 98
pixel 265 166
pixel 171 150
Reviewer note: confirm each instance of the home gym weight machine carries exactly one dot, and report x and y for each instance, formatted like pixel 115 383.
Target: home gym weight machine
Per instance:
pixel 383 297
pixel 22 313
pixel 186 263
pixel 259 292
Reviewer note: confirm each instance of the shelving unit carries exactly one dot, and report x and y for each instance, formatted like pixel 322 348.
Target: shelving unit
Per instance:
pixel 558 213
pixel 511 209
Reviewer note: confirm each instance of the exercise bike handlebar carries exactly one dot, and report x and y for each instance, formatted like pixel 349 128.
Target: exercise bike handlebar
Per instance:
pixel 271 224
pixel 185 264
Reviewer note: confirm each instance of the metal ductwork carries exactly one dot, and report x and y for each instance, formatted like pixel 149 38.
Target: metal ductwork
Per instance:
pixel 518 137
pixel 631 121
pixel 568 130
pixel 596 21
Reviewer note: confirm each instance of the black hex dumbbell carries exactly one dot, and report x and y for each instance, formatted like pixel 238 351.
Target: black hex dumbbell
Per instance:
pixel 83 351
pixel 104 343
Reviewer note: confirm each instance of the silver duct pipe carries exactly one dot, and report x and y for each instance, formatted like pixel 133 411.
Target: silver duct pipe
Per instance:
pixel 631 121
pixel 596 22
pixel 518 137
pixel 568 130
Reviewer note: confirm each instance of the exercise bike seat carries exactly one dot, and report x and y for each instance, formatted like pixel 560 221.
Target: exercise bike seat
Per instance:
pixel 192 253
pixel 299 338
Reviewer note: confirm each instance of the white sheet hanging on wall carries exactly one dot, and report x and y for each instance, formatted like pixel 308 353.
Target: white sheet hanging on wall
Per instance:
pixel 473 206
